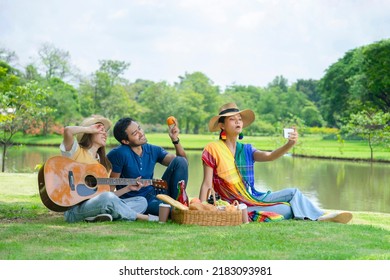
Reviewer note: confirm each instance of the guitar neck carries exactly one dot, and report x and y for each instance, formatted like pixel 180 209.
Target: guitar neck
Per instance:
pixel 123 181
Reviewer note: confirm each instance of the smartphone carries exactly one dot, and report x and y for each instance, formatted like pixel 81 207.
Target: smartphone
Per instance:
pixel 287 131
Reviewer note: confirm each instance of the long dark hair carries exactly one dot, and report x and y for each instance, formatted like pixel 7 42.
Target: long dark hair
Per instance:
pixel 222 120
pixel 86 143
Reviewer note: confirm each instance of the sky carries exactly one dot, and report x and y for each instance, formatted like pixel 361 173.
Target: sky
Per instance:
pixel 242 42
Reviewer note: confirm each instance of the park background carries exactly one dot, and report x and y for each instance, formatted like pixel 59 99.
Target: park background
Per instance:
pixel 348 106
pixel 349 102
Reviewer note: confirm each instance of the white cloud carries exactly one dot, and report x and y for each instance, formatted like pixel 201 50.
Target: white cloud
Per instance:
pixel 241 41
pixel 118 14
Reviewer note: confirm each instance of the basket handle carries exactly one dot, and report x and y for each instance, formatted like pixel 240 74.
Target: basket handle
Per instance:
pixel 235 203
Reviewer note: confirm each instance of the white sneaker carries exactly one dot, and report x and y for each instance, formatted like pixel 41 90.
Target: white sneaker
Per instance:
pixel 153 218
pixel 336 217
pixel 99 218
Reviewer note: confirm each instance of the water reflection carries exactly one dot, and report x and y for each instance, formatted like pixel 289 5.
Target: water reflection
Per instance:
pixel 331 184
pixel 336 184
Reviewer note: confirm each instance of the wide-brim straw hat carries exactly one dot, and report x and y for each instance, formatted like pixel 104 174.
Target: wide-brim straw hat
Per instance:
pixel 93 120
pixel 230 109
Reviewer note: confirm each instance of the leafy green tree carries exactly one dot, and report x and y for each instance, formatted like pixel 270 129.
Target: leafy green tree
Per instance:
pixel 372 126
pixel 309 88
pixel 281 102
pixel 292 103
pixel 55 62
pixel 9 71
pixel 120 104
pixel 32 73
pixel 311 115
pixel 113 69
pixel 192 105
pixel 136 93
pixel 86 92
pixel 264 102
pixel 197 86
pixel 274 106
pixel 8 56
pixel 65 99
pixel 137 88
pixel 335 95
pixel 376 68
pixel 19 105
pixel 104 81
pixel 159 101
pixel 358 81
pixel 268 107
pixel 280 82
pixel 243 96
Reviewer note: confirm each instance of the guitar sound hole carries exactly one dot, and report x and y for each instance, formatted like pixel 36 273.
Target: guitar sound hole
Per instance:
pixel 90 181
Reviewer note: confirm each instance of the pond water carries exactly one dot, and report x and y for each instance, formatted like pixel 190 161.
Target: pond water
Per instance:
pixel 331 184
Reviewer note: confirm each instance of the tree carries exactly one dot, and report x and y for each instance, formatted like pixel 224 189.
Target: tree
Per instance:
pixel 105 80
pixel 358 81
pixel 32 73
pixel 114 69
pixel 244 96
pixel 19 105
pixel 55 62
pixel 119 104
pixel 64 97
pixel 280 82
pixel 192 104
pixel 376 68
pixel 7 55
pixel 159 101
pixel 311 115
pixel 373 126
pixel 335 89
pixel 309 88
pixel 137 88
pixel 197 85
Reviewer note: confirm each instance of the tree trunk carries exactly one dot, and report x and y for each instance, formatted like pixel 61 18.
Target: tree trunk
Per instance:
pixel 196 129
pixel 3 160
pixel 371 148
pixel 187 127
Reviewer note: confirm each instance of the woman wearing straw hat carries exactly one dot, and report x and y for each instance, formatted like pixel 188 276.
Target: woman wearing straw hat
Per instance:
pixel 90 149
pixel 228 168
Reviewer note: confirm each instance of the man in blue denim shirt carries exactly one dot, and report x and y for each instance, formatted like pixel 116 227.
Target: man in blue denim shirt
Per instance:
pixel 135 158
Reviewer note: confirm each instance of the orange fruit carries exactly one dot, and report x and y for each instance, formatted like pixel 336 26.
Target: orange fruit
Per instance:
pixel 171 120
pixel 195 200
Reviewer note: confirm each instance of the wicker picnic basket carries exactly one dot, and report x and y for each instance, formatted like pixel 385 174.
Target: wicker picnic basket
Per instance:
pixel 207 218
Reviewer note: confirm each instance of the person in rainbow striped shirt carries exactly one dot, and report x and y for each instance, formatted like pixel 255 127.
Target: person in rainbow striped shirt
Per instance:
pixel 228 168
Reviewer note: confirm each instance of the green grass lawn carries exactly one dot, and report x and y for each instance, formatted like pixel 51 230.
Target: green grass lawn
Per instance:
pixel 30 231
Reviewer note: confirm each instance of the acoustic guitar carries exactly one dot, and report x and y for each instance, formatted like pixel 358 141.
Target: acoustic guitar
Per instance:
pixel 64 182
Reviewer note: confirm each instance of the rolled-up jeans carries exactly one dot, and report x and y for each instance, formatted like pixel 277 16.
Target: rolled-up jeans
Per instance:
pixel 107 203
pixel 300 207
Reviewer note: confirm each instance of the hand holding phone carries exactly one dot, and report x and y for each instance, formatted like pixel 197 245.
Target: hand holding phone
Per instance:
pixel 286 132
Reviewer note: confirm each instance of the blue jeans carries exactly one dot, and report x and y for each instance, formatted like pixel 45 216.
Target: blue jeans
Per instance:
pixel 107 203
pixel 300 206
pixel 176 171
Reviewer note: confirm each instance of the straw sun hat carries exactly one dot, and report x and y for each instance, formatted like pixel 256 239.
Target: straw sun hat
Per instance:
pixel 92 120
pixel 231 109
